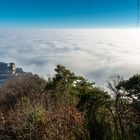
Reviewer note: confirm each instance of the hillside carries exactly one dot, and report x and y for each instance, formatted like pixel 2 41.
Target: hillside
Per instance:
pixel 69 107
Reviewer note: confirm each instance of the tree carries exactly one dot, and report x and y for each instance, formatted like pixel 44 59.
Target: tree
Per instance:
pixel 65 84
pixel 122 110
pixel 132 89
pixel 92 101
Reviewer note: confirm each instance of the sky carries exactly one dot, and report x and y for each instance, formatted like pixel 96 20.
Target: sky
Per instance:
pixel 68 13
pixel 67 36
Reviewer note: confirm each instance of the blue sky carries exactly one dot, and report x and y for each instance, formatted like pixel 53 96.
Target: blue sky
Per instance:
pixel 68 13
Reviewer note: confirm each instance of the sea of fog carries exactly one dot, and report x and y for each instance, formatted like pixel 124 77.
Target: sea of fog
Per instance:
pixel 95 54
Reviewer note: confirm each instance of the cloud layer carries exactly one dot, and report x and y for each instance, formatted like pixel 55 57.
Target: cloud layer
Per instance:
pixel 95 54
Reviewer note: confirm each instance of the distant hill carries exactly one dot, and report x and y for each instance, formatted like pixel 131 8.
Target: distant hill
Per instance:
pixel 7 70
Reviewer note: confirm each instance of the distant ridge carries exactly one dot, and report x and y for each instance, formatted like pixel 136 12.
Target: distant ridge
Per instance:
pixel 7 70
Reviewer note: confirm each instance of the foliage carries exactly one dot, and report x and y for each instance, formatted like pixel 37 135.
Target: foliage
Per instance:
pixel 69 107
pixel 28 85
pixel 131 88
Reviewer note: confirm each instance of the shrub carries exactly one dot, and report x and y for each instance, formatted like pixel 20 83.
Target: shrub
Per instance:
pixel 29 85
pixel 26 120
pixel 65 123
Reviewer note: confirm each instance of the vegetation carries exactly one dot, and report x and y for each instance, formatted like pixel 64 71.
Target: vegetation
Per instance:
pixel 69 107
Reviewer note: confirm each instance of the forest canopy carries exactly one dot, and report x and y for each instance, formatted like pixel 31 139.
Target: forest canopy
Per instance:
pixel 69 107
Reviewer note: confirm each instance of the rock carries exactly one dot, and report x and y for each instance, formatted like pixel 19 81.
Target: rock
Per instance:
pixel 7 70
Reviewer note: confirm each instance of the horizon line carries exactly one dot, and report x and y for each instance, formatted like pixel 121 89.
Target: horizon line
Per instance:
pixel 70 28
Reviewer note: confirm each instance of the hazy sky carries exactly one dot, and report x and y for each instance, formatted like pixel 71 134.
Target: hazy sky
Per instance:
pixel 96 54
pixel 68 13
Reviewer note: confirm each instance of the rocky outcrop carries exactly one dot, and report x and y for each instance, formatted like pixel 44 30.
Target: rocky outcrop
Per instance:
pixel 7 70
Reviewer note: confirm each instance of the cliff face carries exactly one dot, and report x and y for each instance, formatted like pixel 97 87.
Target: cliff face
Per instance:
pixel 7 70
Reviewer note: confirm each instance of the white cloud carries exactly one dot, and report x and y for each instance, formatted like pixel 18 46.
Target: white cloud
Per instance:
pixel 95 54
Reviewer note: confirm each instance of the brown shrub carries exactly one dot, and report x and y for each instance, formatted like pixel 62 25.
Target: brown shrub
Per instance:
pixel 35 122
pixel 64 123
pixel 29 85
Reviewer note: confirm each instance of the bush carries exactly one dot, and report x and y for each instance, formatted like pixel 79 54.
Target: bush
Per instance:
pixel 65 123
pixel 25 121
pixel 29 85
